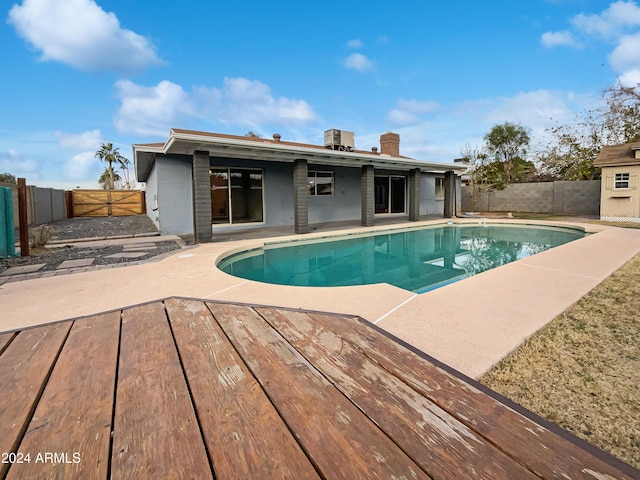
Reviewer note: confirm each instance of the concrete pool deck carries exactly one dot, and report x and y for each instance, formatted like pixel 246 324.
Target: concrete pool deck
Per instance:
pixel 469 325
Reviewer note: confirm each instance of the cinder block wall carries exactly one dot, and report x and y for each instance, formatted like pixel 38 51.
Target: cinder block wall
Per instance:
pixel 581 198
pixel 564 198
pixel 44 205
pixel 49 205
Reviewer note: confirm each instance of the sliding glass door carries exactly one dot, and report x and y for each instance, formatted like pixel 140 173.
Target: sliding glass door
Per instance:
pixel 390 194
pixel 236 195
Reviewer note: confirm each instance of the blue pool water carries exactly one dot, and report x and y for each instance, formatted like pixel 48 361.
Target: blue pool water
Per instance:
pixel 418 260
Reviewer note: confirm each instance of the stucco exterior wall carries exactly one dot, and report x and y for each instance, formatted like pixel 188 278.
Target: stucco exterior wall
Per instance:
pixel 620 204
pixel 429 205
pixel 344 204
pixel 175 195
pixel 151 194
pixel 169 188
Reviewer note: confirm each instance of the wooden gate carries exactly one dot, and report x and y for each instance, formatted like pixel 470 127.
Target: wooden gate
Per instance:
pixel 107 203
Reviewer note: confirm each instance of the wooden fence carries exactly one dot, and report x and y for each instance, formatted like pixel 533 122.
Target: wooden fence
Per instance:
pixel 103 203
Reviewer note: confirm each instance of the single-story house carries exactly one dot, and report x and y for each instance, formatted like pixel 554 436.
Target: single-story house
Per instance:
pixel 619 197
pixel 197 182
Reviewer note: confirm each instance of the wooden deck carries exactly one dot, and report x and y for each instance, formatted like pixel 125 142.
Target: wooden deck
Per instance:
pixel 194 389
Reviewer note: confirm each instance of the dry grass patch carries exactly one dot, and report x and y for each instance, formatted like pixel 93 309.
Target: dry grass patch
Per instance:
pixel 616 224
pixel 582 371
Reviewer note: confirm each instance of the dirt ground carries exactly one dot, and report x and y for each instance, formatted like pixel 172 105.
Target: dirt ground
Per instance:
pixel 582 371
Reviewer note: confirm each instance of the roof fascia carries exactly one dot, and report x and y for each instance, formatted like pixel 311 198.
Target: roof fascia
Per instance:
pixel 292 152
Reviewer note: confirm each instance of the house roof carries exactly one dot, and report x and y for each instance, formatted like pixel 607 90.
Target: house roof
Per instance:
pixel 185 142
pixel 613 155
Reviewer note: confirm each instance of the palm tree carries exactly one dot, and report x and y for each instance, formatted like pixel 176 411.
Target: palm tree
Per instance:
pixel 106 179
pixel 124 166
pixel 110 155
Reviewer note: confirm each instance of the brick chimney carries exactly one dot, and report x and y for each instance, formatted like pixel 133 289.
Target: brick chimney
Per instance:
pixel 390 144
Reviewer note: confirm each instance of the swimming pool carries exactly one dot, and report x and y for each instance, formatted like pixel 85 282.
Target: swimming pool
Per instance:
pixel 418 260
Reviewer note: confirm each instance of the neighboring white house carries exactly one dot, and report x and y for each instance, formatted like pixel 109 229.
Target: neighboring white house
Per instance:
pixel 196 180
pixel 620 197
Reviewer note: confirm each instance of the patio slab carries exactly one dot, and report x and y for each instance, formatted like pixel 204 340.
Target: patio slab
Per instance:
pixel 22 270
pixel 138 248
pixel 81 262
pixel 127 255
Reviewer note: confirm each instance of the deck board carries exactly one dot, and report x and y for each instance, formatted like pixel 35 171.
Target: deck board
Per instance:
pixel 79 392
pixel 544 452
pixel 188 388
pixel 442 445
pixel 244 434
pixel 156 433
pixel 5 339
pixel 24 370
pixel 312 407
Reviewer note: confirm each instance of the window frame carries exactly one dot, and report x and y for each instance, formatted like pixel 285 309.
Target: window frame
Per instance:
pixel 390 195
pixel 621 181
pixel 312 183
pixel 440 196
pixel 229 192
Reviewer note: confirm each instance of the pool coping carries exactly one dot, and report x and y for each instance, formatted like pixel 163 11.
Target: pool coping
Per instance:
pixel 469 325
pixel 331 236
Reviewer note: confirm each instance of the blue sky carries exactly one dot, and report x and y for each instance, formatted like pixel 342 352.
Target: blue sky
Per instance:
pixel 76 73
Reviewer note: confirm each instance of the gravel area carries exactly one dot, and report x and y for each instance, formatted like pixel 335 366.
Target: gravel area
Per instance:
pixel 94 227
pixel 87 227
pixel 53 257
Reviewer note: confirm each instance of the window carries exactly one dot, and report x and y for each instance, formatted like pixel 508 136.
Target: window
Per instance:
pixel 320 183
pixel 390 194
pixel 439 188
pixel 621 180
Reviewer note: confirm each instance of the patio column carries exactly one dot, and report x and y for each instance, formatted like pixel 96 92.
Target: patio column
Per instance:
pixel 449 194
pixel 202 229
pixel 301 196
pixel 414 195
pixel 368 197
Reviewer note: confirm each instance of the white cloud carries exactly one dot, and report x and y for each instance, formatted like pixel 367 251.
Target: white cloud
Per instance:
pixel 537 110
pixel 81 167
pixel 630 78
pixel 154 110
pixel 16 164
pixel 359 62
pixel 408 112
pixel 80 141
pixel 441 134
pixel 555 39
pixel 80 34
pixel 626 55
pixel 612 22
pixel 400 117
pixel 355 43
pixel 618 25
pixel 151 110
pixel 418 107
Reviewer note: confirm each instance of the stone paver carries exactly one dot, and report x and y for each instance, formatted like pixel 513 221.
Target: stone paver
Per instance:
pixel 127 255
pixel 81 262
pixel 23 269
